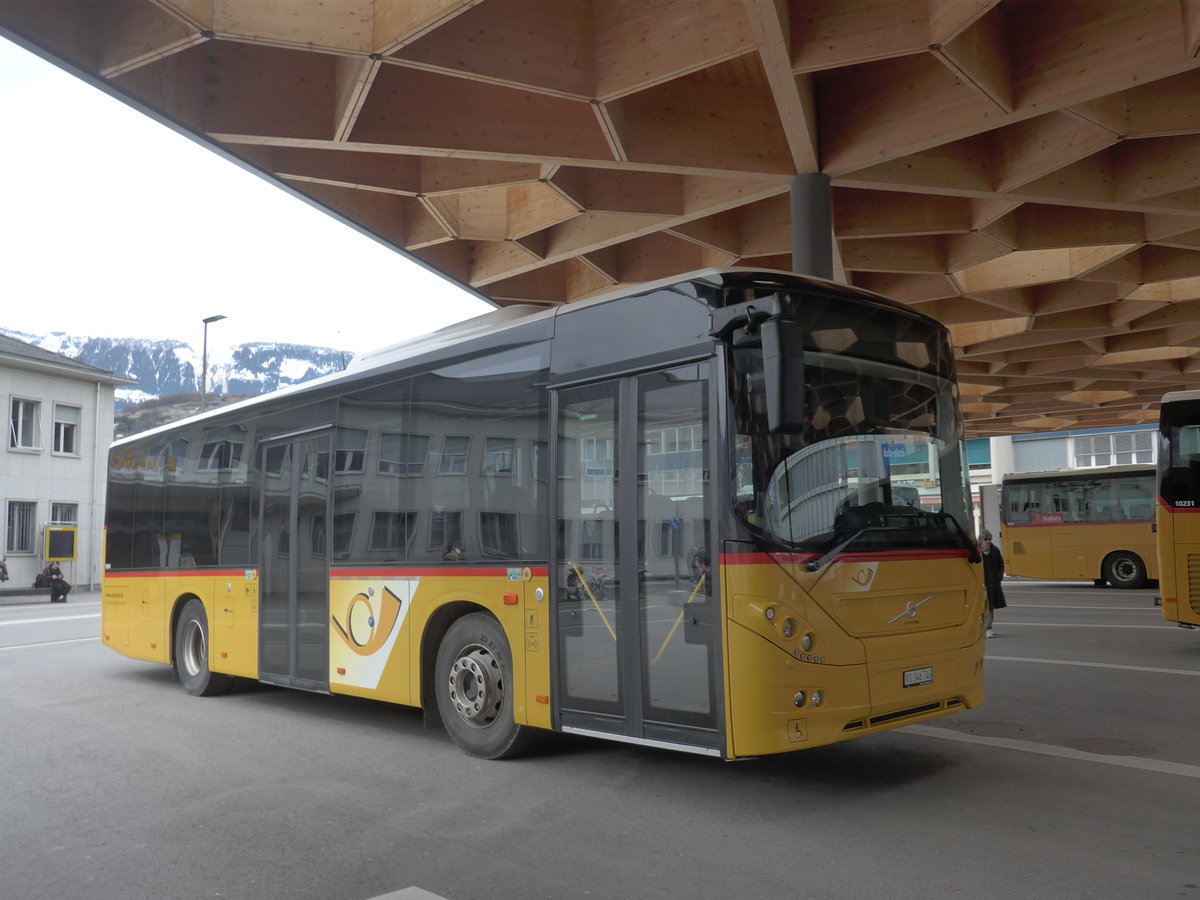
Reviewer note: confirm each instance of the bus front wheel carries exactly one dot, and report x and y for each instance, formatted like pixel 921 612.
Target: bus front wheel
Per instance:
pixel 1124 569
pixel 191 654
pixel 473 681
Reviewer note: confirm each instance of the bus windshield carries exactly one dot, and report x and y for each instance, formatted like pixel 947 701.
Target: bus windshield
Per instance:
pixel 878 463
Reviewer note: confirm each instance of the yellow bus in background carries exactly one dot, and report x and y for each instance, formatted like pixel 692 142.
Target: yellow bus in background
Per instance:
pixel 665 516
pixel 1179 507
pixel 1095 524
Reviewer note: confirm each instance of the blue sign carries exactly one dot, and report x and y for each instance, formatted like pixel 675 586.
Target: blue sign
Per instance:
pixel 895 451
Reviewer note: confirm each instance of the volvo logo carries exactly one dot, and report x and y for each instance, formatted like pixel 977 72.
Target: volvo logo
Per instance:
pixel 910 610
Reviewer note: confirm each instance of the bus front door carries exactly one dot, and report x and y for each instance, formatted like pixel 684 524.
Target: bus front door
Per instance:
pixel 637 614
pixel 294 563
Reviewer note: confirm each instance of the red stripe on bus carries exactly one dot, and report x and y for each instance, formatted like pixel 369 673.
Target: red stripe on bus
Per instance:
pixel 1011 527
pixel 181 573
pixel 1177 509
pixel 443 572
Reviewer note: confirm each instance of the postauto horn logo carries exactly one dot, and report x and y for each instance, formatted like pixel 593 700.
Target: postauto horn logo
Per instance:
pixel 366 628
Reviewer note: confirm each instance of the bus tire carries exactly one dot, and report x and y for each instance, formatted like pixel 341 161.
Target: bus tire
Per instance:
pixel 1124 569
pixel 191 654
pixel 473 682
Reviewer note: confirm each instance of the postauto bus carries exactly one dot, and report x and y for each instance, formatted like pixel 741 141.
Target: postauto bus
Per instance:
pixel 663 516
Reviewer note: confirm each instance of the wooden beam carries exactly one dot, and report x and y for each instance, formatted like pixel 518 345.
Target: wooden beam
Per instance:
pixel 314 24
pixel 689 35
pixel 651 122
pixel 407 107
pixel 950 18
pixel 908 254
pixel 1028 150
pixel 720 232
pixel 536 207
pixel 828 34
pixel 1042 226
pixel 196 14
pixel 913 103
pixel 251 89
pixel 368 171
pixel 905 287
pixel 353 78
pixel 454 174
pixel 979 56
pixel 136 33
pixel 507 44
pixel 397 23
pixel 1148 168
pixel 1037 267
pixel 794 95
pixel 859 213
pixel 1164 106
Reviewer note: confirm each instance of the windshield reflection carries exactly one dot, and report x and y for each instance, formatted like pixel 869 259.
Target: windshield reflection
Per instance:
pixel 878 464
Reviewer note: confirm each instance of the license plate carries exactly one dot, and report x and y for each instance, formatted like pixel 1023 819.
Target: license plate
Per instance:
pixel 917 677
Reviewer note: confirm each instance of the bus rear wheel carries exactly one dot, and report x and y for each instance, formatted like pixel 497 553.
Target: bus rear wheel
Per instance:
pixel 473 681
pixel 191 654
pixel 1124 569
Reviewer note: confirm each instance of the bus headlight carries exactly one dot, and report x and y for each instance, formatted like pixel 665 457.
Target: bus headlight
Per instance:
pixel 818 697
pixel 806 642
pixel 789 627
pixel 799 699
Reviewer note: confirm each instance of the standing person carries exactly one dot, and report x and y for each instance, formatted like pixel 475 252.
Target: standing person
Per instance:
pixel 993 573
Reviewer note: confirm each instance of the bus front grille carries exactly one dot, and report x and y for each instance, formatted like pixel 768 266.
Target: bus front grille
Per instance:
pixel 883 719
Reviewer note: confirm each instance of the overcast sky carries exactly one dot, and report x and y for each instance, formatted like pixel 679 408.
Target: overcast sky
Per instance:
pixel 112 225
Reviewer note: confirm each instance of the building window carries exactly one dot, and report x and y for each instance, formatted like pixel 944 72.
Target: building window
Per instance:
pixel 351 450
pixel 22 515
pixel 597 457
pixel 445 530
pixel 498 534
pixel 1123 448
pixel 499 456
pixel 454 455
pixel 403 454
pixel 343 534
pixel 316 537
pixel 66 429
pixel 23 425
pixel 64 513
pixel 392 530
pixel 222 449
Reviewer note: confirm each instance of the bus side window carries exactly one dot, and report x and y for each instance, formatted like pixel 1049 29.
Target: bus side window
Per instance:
pixel 1187 443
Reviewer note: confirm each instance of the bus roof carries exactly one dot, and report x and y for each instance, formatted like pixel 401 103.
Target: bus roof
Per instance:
pixel 1180 397
pixel 1061 474
pixel 492 324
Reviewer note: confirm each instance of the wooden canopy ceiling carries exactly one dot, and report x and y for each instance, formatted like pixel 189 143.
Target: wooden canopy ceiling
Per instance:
pixel 1026 171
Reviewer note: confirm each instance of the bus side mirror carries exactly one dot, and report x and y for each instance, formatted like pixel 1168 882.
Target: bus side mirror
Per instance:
pixel 783 367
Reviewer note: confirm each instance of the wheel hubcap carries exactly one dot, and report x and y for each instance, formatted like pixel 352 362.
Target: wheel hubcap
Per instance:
pixel 476 686
pixel 193 652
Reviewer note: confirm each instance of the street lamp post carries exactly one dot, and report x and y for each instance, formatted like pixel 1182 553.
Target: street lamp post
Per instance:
pixel 204 363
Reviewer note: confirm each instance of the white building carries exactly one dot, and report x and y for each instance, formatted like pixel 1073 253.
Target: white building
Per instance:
pixel 60 418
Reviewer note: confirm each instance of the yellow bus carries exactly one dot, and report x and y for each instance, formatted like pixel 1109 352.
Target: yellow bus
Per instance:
pixel 663 516
pixel 1179 507
pixel 1093 524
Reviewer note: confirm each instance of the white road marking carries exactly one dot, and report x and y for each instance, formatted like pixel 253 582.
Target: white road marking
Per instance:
pixel 1160 766
pixel 49 619
pixel 1097 665
pixel 50 643
pixel 1153 609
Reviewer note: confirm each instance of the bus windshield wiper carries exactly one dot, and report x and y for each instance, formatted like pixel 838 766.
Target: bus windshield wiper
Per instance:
pixel 813 564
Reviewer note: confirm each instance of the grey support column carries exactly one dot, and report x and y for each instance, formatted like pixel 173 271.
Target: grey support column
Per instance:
pixel 812 225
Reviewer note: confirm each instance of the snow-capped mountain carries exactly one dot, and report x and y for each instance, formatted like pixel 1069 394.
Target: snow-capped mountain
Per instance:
pixel 167 367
